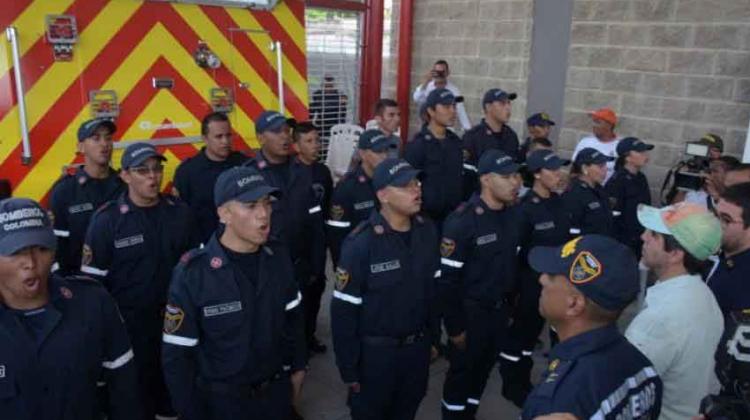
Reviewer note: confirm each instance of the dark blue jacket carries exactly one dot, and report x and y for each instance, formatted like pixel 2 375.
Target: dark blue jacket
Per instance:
pixel 441 162
pixel 588 208
pixel 543 223
pixel 384 288
pixel 729 282
pixel 194 184
pixel 481 138
pixel 221 328
pixel 627 191
pixel 81 341
pixel 597 375
pixel 297 219
pixel 478 259
pixel 73 200
pixel 352 202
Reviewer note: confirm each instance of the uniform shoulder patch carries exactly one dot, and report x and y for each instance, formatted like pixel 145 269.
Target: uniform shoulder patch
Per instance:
pixel 360 228
pixel 173 317
pixel 191 255
pixel 337 212
pixel 447 246
pixel 342 278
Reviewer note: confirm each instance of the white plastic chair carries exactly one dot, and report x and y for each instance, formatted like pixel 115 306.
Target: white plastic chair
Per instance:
pixel 341 146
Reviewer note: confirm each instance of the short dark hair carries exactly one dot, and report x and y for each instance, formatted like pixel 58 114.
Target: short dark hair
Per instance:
pixel 442 62
pixel 692 265
pixel 384 103
pixel 301 128
pixel 541 141
pixel 208 119
pixel 739 195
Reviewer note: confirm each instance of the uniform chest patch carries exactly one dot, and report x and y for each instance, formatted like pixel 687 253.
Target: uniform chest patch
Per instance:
pixel 544 225
pixel 129 241
pixel 594 205
pixel 222 309
pixel 486 239
pixel 364 205
pixel 385 266
pixel 80 208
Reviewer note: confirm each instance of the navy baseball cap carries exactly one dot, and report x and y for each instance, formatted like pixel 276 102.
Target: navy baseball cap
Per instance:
pixel 137 153
pixel 629 144
pixel 376 140
pixel 589 156
pixel 603 269
pixel 493 95
pixel 88 128
pixel 495 161
pixel 242 183
pixel 393 172
pixel 545 159
pixel 270 121
pixel 540 119
pixel 23 223
pixel 440 96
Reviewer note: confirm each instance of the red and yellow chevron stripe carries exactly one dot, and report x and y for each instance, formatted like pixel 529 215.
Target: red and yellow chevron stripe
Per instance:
pixel 122 46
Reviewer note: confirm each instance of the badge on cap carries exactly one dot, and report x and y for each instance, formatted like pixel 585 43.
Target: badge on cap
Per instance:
pixel 216 262
pixel 447 246
pixel 337 212
pixel 342 278
pixel 585 268
pixel 66 293
pixel 570 247
pixel 173 317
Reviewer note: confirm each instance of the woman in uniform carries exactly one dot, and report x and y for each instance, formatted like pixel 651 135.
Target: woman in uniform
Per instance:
pixel 586 201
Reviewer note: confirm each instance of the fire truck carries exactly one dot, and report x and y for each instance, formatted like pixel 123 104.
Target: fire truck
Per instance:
pixel 155 67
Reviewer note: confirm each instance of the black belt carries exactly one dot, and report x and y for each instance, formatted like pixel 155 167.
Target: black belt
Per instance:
pixel 393 341
pixel 238 390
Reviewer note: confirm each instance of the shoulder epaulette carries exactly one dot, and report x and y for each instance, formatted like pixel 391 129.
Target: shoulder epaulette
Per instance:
pixel 190 256
pixel 360 228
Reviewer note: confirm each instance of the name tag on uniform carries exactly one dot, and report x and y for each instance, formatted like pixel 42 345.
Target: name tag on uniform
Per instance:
pixel 486 239
pixel 364 205
pixel 80 208
pixel 129 241
pixel 385 266
pixel 2 371
pixel 594 205
pixel 544 225
pixel 222 309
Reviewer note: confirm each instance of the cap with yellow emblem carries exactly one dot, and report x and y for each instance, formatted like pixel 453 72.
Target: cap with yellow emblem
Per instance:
pixel 603 269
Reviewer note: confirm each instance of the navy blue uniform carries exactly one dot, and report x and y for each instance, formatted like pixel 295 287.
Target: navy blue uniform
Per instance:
pixel 297 216
pixel 627 191
pixel 481 138
pixel 478 265
pixel 73 200
pixel 589 209
pixel 382 311
pixel 232 332
pixel 352 202
pixel 133 250
pixel 730 284
pixel 441 162
pixel 52 357
pixel 194 183
pixel 597 375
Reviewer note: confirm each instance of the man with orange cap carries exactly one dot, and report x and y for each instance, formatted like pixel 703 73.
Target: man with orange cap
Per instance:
pixel 603 137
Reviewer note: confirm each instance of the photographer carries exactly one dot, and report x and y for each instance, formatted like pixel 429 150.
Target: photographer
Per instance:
pixel 712 175
pixel 437 77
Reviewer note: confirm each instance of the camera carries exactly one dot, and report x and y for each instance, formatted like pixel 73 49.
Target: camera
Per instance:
pixel 438 74
pixel 690 173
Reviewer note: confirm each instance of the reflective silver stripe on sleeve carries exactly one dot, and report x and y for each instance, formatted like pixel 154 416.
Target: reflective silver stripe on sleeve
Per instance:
pixel 61 233
pixel 451 263
pixel 179 341
pixel 623 391
pixel 293 304
pixel 120 361
pixel 470 167
pixel 338 224
pixel 438 274
pixel 453 407
pixel 473 401
pixel 314 210
pixel 93 270
pixel 509 357
pixel 347 298
pixel 574 231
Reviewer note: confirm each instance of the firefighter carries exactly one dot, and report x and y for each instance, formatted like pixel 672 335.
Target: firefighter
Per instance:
pixel 478 264
pixel 58 335
pixel 542 223
pixel 586 201
pixel 82 190
pixel 132 245
pixel 195 177
pixel 382 311
pixel 354 197
pixel 233 332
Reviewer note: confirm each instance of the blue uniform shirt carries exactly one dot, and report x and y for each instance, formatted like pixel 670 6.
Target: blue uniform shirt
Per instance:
pixel 589 209
pixel 478 259
pixel 225 325
pixel 194 183
pixel 481 138
pixel 51 373
pixel 730 282
pixel 73 200
pixel 384 287
pixel 627 191
pixel 597 375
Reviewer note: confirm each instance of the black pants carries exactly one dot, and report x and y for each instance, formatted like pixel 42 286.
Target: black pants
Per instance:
pixel 311 295
pixel 393 381
pixel 272 402
pixel 486 333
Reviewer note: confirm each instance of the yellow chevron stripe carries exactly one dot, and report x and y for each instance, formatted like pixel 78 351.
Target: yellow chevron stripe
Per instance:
pixel 124 79
pixel 291 25
pixel 296 82
pixel 48 89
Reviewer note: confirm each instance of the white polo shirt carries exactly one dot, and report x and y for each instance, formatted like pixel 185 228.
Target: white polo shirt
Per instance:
pixel 679 329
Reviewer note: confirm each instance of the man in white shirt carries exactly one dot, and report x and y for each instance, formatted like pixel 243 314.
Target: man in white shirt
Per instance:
pixel 681 323
pixel 603 137
pixel 437 77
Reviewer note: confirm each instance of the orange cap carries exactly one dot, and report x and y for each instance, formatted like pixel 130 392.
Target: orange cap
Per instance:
pixel 605 114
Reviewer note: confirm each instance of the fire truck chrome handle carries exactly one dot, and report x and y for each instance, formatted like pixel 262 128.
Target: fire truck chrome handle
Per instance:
pixel 12 35
pixel 276 46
